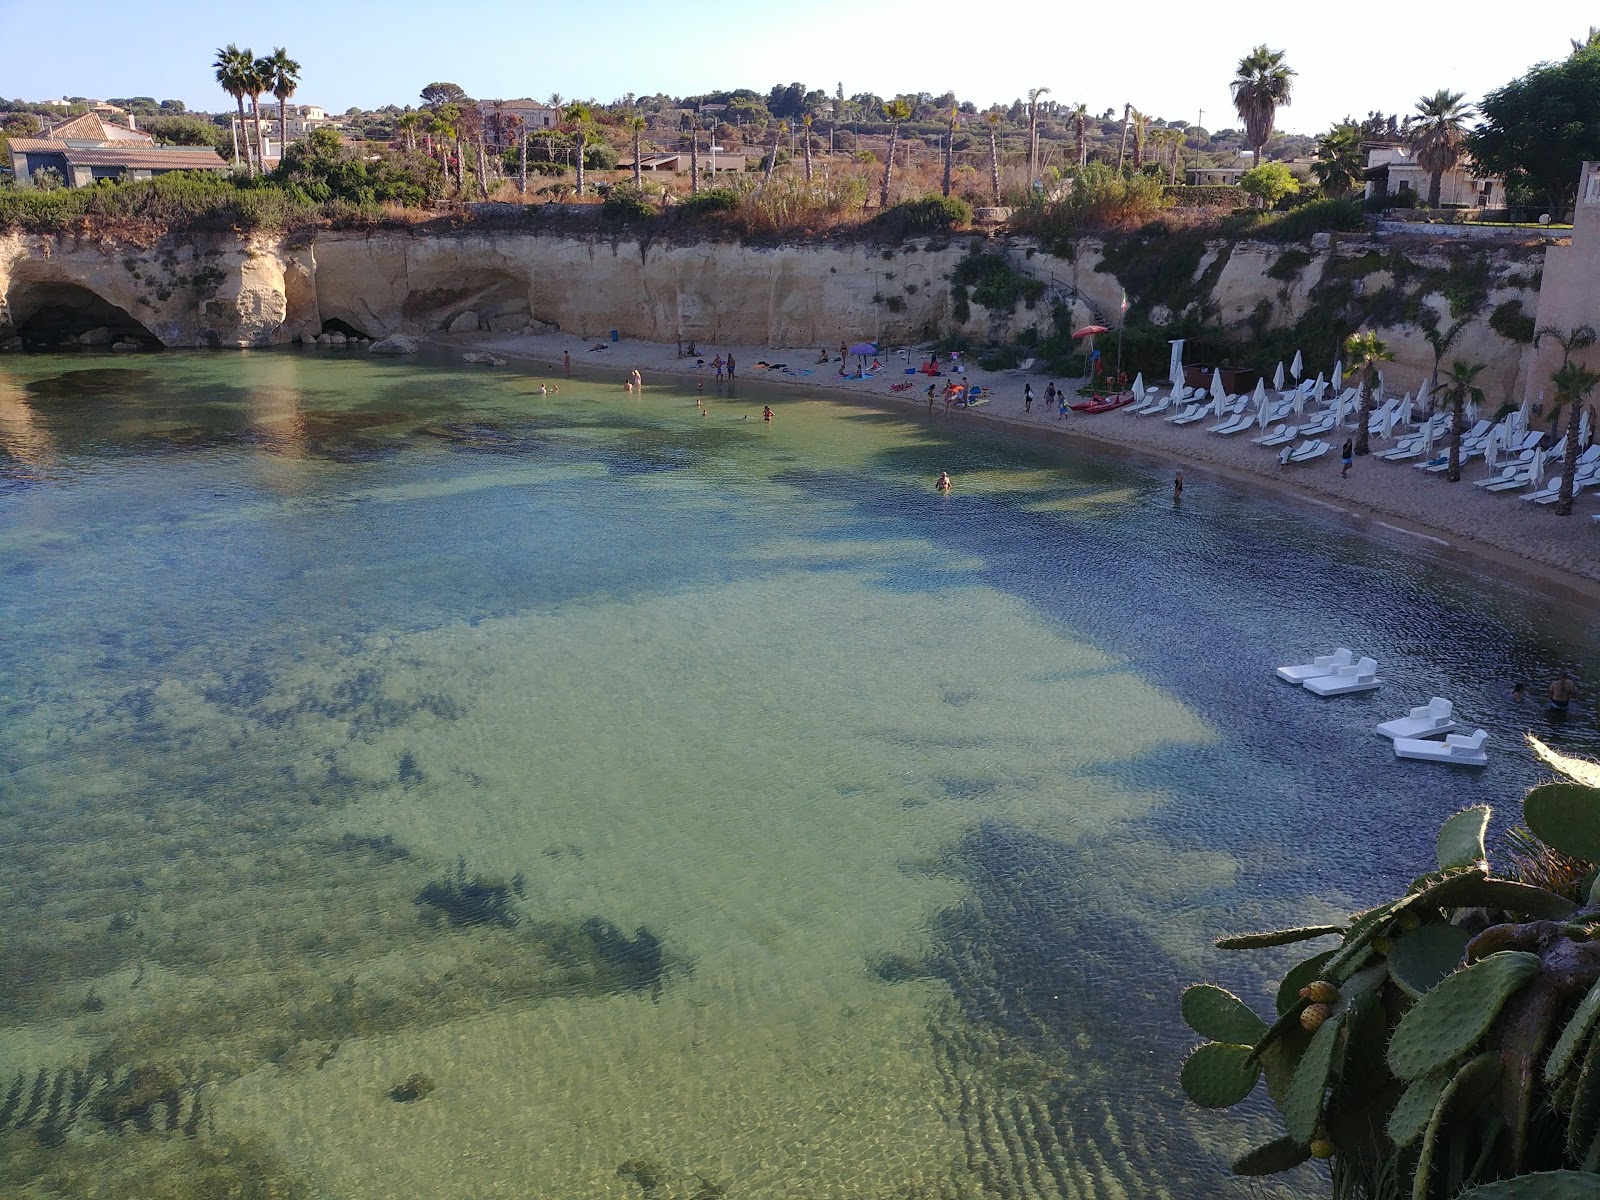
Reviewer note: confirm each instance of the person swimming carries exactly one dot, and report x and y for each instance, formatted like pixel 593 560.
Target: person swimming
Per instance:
pixel 944 482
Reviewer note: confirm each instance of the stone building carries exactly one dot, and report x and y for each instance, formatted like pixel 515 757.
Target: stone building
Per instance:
pixel 1569 294
pixel 87 149
pixel 1392 169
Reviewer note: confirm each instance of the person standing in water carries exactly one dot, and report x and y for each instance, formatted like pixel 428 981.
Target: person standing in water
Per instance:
pixel 944 482
pixel 1563 691
pixel 730 364
pixel 766 412
pixel 566 360
pixel 1177 486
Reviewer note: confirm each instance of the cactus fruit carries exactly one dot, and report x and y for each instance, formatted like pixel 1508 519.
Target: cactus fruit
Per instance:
pixel 1382 945
pixel 1313 1015
pixel 1542 1185
pixel 1425 955
pixel 1218 1014
pixel 1217 1075
pixel 1565 816
pixel 1460 841
pixel 1298 977
pixel 1449 1019
pixel 1302 1107
pixel 1415 1107
pixel 1284 1154
pixel 1276 937
pixel 1321 1147
pixel 1408 921
pixel 1320 991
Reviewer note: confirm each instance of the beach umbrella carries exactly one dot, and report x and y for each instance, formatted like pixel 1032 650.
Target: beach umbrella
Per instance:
pixel 863 348
pixel 1299 401
pixel 1403 417
pixel 1138 385
pixel 1422 397
pixel 1525 413
pixel 1175 363
pixel 1427 440
pixel 1338 375
pixel 1277 377
pixel 1469 410
pixel 1090 331
pixel 1536 469
pixel 1491 448
pixel 1583 430
pixel 1297 367
pixel 1319 389
pixel 1219 394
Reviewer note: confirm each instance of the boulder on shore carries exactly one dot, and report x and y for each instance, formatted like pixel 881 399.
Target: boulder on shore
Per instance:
pixel 396 343
pixel 124 347
pixel 482 356
pixel 467 322
pixel 100 336
pixel 337 338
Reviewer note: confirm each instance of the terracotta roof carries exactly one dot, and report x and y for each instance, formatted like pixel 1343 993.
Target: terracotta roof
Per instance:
pixel 161 158
pixel 91 128
pixel 37 145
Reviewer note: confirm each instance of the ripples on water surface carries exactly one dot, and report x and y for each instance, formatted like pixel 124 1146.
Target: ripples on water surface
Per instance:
pixel 703 807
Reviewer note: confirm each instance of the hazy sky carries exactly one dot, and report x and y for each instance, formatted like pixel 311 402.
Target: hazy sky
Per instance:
pixel 1168 58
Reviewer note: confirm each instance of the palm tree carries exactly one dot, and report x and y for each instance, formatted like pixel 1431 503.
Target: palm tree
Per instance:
pixel 950 145
pixel 1260 87
pixel 1122 150
pixel 779 128
pixel 407 123
pixel 1080 125
pixel 694 154
pixel 285 77
pixel 1141 127
pixel 992 120
pixel 805 124
pixel 577 118
pixel 1460 385
pixel 232 65
pixel 1364 354
pixel 1440 343
pixel 447 124
pixel 1033 132
pixel 896 110
pixel 1588 43
pixel 1339 160
pixel 1573 383
pixel 1439 136
pixel 257 81
pixel 635 126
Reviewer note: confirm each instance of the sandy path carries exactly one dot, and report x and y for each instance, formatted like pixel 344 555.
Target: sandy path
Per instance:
pixel 1513 537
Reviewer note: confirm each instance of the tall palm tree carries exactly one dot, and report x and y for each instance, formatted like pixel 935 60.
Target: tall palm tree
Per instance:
pixel 232 65
pixel 1440 344
pixel 1460 385
pixel 1260 87
pixel 694 154
pixel 1080 125
pixel 1439 136
pixel 577 119
pixel 1141 127
pixel 805 125
pixel 779 129
pixel 1364 353
pixel 447 124
pixel 896 110
pixel 1122 150
pixel 407 123
pixel 285 78
pixel 1339 161
pixel 992 120
pixel 950 145
pixel 257 81
pixel 1033 132
pixel 1588 43
pixel 1573 383
pixel 636 125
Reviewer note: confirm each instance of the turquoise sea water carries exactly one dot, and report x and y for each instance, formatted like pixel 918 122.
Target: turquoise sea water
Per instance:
pixel 703 806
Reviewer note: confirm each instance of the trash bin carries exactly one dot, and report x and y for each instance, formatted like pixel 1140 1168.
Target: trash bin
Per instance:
pixel 613 335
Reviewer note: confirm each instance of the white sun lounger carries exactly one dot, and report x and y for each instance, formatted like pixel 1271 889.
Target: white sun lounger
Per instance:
pixel 1522 477
pixel 1318 425
pixel 1278 436
pixel 1323 664
pixel 1306 451
pixel 1462 749
pixel 1361 676
pixel 1195 412
pixel 1433 719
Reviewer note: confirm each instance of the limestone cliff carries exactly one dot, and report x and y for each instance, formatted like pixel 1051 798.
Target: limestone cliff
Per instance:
pixel 221 290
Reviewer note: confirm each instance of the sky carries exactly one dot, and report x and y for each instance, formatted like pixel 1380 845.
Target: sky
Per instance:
pixel 1168 58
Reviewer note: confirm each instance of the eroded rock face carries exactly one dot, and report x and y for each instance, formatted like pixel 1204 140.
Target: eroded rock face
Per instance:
pixel 255 290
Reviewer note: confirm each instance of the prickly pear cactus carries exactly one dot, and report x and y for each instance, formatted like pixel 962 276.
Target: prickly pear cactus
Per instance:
pixel 1443 1043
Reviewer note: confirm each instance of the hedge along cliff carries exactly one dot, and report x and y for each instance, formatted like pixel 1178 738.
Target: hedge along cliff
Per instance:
pixel 1253 301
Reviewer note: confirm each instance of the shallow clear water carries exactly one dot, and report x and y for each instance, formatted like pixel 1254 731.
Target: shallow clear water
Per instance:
pixel 861 839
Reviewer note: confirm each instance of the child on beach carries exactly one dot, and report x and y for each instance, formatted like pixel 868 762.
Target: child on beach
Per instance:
pixel 1027 397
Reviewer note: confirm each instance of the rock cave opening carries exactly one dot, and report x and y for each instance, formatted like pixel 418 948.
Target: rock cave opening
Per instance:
pixel 487 299
pixel 55 316
pixel 335 325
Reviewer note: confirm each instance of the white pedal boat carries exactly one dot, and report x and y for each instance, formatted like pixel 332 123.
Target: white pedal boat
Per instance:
pixel 1360 676
pixel 1323 664
pixel 1464 750
pixel 1433 719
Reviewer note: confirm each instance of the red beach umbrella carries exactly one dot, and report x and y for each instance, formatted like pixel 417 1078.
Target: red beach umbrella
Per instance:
pixel 1090 331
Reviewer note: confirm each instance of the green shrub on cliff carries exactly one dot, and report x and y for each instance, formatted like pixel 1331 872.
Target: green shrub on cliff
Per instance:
pixel 929 214
pixel 180 200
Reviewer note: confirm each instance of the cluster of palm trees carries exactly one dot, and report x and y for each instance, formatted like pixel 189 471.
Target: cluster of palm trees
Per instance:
pixel 242 74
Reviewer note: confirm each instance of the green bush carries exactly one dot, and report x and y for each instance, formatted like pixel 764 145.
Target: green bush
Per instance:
pixel 624 202
pixel 928 214
pixel 1289 265
pixel 995 283
pixel 1000 358
pixel 1099 199
pixel 713 200
pixel 1298 224
pixel 1511 323
pixel 1390 200
pixel 1205 196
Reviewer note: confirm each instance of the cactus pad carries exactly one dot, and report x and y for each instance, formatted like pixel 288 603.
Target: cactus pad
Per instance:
pixel 1422 957
pixel 1460 842
pixel 1282 1155
pixel 1541 1185
pixel 1449 1019
pixel 1579 770
pixel 1584 1118
pixel 1218 1014
pixel 1572 1036
pixel 1276 937
pixel 1217 1075
pixel 1414 1109
pixel 1302 1107
pixel 1565 816
pixel 1472 1081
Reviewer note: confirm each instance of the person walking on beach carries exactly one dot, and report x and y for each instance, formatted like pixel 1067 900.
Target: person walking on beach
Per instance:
pixel 566 360
pixel 1027 397
pixel 932 390
pixel 717 363
pixel 1347 457
pixel 730 364
pixel 1050 393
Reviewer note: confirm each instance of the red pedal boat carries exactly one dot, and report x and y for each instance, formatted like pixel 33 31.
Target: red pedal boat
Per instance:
pixel 1100 404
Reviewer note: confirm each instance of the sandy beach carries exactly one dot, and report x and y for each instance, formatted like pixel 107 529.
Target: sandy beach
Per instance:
pixel 1393 499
